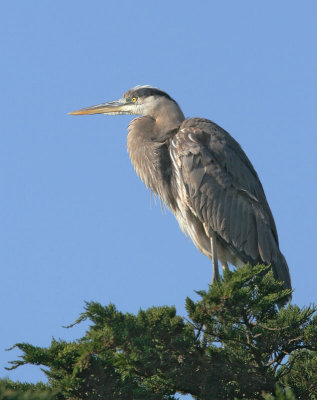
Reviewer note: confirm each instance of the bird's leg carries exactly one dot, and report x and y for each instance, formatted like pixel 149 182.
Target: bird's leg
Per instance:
pixel 225 266
pixel 215 272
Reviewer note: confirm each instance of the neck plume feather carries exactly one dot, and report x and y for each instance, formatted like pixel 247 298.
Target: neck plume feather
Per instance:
pixel 149 154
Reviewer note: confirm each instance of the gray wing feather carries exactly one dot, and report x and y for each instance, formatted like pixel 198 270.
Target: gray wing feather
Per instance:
pixel 224 192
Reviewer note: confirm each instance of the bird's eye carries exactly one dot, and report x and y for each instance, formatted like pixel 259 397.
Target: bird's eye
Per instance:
pixel 133 99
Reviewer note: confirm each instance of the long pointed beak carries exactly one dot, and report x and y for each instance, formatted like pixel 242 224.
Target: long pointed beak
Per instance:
pixel 111 108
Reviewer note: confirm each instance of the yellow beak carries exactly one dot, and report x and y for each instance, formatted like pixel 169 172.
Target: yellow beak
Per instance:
pixel 110 108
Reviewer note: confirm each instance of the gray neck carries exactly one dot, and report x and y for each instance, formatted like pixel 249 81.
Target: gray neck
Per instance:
pixel 167 118
pixel 148 147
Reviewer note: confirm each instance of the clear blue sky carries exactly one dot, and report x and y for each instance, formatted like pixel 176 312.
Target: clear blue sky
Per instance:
pixel 76 223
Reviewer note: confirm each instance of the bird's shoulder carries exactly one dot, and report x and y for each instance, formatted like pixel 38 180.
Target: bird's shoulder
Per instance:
pixel 208 142
pixel 197 135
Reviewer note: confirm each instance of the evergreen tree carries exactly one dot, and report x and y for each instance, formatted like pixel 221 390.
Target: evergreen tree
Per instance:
pixel 236 344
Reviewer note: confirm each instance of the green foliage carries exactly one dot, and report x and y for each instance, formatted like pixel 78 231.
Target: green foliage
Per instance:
pixel 25 391
pixel 237 344
pixel 301 374
pixel 281 394
pixel 122 356
pixel 254 337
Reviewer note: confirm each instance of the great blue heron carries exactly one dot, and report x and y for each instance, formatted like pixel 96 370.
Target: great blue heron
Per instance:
pixel 202 174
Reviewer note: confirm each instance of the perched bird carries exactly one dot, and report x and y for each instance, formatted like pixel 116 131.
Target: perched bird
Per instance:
pixel 202 174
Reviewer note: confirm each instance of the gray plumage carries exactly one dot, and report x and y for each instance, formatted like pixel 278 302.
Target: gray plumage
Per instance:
pixel 203 176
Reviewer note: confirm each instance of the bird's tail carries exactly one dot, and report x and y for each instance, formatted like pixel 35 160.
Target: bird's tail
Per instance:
pixel 281 272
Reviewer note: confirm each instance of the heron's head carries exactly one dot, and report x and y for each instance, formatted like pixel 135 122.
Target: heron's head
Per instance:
pixel 140 100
